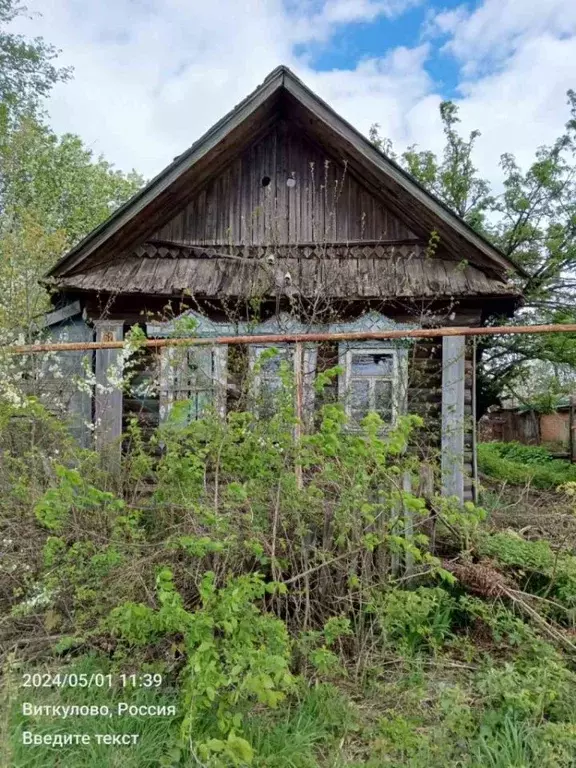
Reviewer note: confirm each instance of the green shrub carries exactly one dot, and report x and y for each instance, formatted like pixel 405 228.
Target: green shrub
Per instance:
pixel 415 620
pixel 251 591
pixel 236 656
pixel 522 464
pixel 154 733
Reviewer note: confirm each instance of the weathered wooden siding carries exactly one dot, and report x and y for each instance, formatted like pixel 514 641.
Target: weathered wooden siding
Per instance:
pixel 424 396
pixel 425 400
pixel 141 401
pixel 368 270
pixel 59 389
pixel 326 203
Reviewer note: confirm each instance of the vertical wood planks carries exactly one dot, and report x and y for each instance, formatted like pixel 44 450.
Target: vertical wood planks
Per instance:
pixel 166 393
pixel 327 202
pixel 281 213
pixel 453 389
pixel 108 396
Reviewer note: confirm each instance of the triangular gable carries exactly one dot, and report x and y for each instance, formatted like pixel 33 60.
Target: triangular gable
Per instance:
pixel 284 189
pixel 370 321
pixel 281 93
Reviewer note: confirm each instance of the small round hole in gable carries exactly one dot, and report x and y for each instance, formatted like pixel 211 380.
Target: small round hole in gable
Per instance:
pixel 265 181
pixel 291 183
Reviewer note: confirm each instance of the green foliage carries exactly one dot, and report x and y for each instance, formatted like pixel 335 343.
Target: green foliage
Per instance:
pixel 521 464
pixel 511 743
pixel 74 496
pixel 312 723
pixel 540 569
pixel 53 192
pixel 317 646
pixel 251 591
pixel 532 222
pixel 415 620
pixel 492 712
pixel 58 181
pixel 523 454
pixel 236 655
pixel 155 733
pixel 27 72
pixel 533 690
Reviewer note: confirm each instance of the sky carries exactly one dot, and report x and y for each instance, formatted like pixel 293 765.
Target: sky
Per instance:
pixel 150 76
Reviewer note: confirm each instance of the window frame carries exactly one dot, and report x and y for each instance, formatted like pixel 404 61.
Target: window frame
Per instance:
pixel 398 379
pixel 285 350
pixel 174 370
pixel 307 372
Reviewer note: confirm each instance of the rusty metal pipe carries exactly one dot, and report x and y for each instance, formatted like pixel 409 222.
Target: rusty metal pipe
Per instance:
pixel 278 338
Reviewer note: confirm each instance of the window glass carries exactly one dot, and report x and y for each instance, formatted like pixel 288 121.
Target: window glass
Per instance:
pixel 383 399
pixel 198 386
pixel 371 377
pixel 359 399
pixel 372 364
pixel 270 366
pixel 269 379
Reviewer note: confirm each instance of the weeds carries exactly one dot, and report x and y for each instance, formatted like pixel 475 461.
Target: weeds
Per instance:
pixel 275 610
pixel 524 464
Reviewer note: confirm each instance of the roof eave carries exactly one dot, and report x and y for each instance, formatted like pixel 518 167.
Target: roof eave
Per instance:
pixel 300 91
pixel 178 166
pixel 279 78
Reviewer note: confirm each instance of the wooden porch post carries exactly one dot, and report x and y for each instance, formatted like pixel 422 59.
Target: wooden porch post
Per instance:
pixel 108 396
pixel 452 464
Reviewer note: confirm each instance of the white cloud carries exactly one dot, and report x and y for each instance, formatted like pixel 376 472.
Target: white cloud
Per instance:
pixel 497 28
pixel 523 105
pixel 517 59
pixel 348 11
pixel 150 78
pixel 378 90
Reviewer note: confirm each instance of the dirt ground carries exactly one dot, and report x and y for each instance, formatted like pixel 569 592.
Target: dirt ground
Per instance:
pixel 534 513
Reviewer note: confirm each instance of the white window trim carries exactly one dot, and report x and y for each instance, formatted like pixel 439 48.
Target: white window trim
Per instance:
pixel 398 377
pixel 285 323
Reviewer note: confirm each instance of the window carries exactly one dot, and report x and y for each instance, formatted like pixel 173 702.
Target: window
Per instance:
pixel 267 376
pixel 371 383
pixel 268 385
pixel 192 381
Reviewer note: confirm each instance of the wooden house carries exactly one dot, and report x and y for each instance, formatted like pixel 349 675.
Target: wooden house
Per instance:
pixel 284 218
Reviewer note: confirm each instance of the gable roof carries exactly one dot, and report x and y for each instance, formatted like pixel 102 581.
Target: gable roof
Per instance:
pixel 130 223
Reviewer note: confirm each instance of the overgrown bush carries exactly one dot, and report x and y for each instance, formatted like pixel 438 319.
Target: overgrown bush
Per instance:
pixel 524 464
pixel 263 578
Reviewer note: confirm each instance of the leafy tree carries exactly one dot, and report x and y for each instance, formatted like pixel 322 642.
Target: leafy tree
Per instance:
pixel 53 192
pixel 58 180
pixel 533 221
pixel 27 68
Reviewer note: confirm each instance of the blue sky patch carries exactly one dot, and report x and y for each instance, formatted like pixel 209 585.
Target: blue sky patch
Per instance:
pixel 351 43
